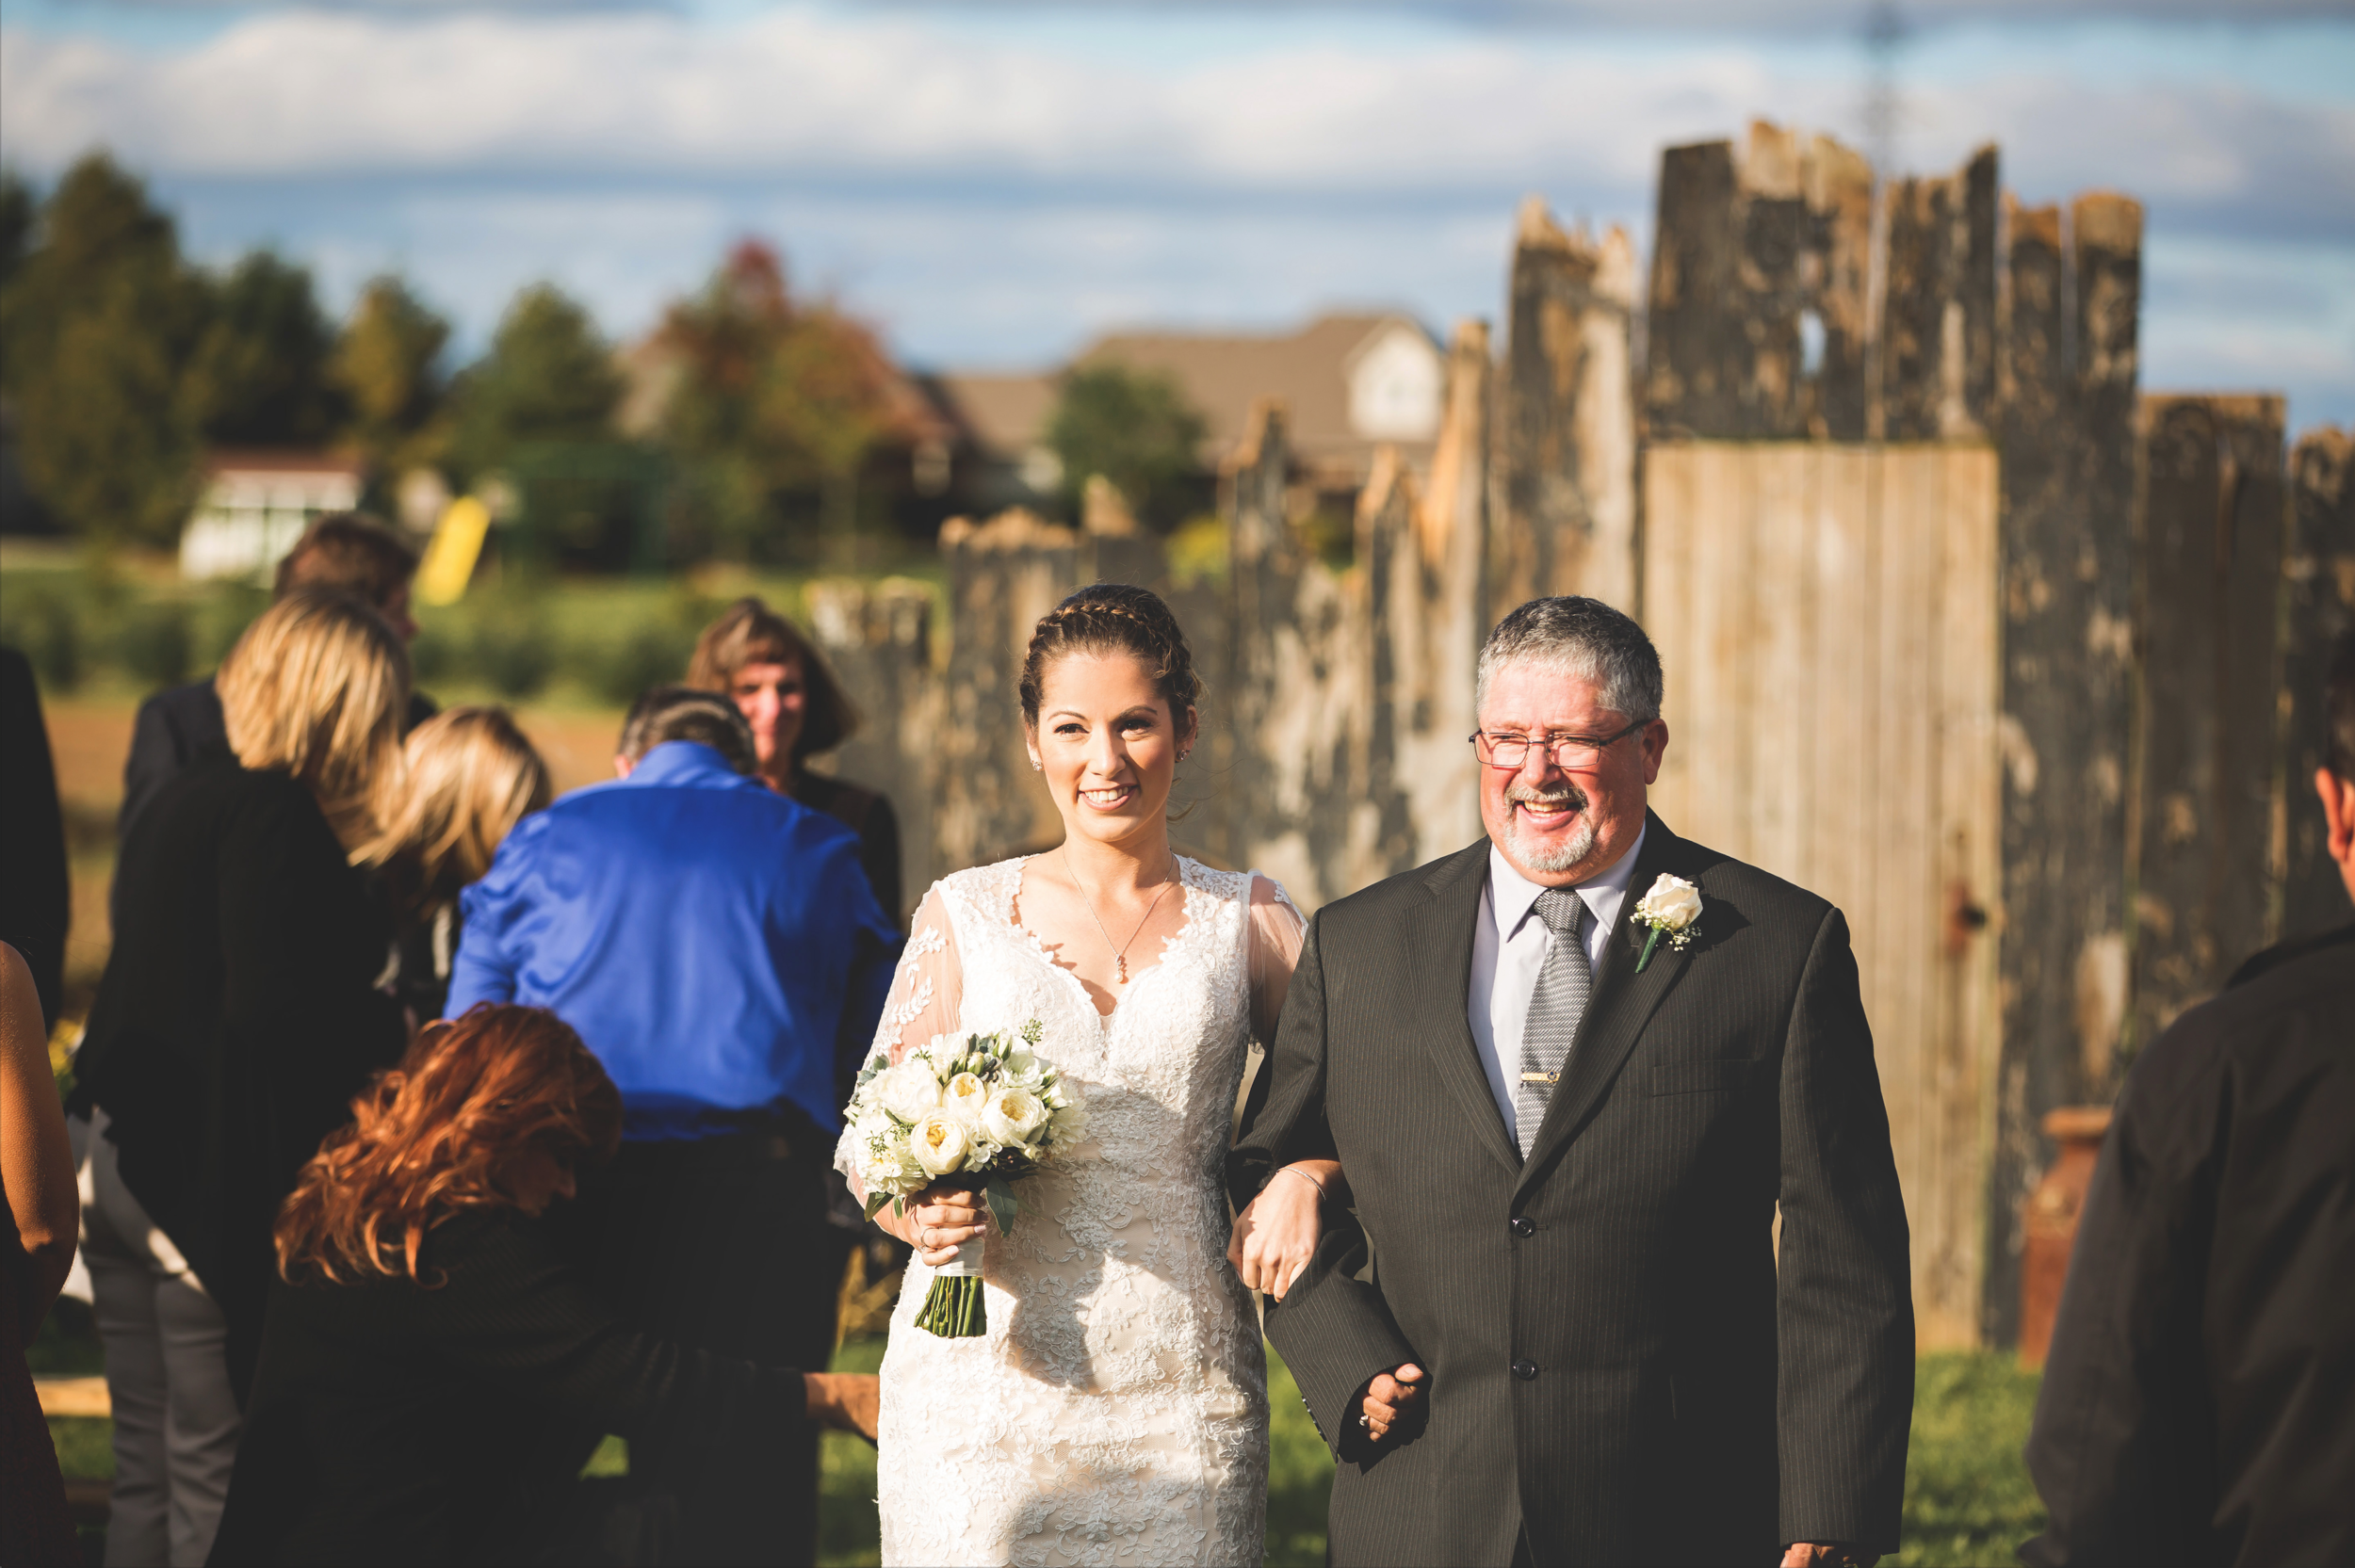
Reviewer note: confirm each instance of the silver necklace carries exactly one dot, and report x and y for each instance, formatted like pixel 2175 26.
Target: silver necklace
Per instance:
pixel 1120 954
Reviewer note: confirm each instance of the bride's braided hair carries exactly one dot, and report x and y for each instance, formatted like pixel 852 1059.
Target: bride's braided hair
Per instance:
pixel 1115 618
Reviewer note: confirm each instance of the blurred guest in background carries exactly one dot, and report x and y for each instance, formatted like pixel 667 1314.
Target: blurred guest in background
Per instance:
pixel 348 551
pixel 425 1325
pixel 797 710
pixel 721 952
pixel 36 892
pixel 39 1209
pixel 237 1016
pixel 2199 1404
pixel 472 776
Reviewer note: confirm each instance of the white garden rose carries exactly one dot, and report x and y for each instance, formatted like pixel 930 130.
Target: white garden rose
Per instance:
pixel 941 1143
pixel 965 1098
pixel 1014 1116
pixel 910 1090
pixel 1672 904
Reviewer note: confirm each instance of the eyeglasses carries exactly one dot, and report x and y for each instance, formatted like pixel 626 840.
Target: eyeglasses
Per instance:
pixel 1569 751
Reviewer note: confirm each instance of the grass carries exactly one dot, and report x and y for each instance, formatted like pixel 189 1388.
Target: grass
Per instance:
pixel 1968 1499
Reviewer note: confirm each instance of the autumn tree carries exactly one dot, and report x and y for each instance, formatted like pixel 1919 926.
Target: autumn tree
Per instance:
pixel 1135 428
pixel 773 397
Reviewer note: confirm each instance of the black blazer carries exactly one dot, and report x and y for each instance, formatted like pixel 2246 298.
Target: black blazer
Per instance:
pixel 35 889
pixel 397 1423
pixel 177 726
pixel 2199 1402
pixel 869 815
pixel 236 1019
pixel 1614 1363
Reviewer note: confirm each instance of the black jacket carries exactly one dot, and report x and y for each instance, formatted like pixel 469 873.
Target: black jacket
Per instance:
pixel 1614 1362
pixel 35 886
pixel 398 1423
pixel 236 1019
pixel 2199 1402
pixel 175 727
pixel 869 815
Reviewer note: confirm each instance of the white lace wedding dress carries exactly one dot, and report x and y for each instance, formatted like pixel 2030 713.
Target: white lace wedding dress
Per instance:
pixel 1116 1409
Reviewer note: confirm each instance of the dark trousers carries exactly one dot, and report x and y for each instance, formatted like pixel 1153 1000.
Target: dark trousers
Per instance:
pixel 723 1244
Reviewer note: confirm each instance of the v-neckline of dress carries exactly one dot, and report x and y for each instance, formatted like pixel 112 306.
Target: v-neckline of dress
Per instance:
pixel 1038 949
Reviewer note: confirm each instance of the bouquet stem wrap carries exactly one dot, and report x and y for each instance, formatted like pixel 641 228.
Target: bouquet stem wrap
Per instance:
pixel 954 1307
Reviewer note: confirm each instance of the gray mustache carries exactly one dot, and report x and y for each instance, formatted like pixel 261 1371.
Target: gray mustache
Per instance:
pixel 1570 795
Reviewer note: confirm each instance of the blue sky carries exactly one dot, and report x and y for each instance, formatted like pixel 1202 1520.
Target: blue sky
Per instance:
pixel 992 183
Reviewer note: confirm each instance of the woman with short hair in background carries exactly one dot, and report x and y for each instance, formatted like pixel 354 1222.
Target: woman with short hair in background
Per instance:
pixel 237 1016
pixel 472 776
pixel 784 688
pixel 425 1329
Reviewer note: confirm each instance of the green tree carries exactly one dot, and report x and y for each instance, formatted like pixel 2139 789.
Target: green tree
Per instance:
pixel 386 366
pixel 96 324
pixel 258 377
pixel 16 223
pixel 549 377
pixel 771 398
pixel 1136 429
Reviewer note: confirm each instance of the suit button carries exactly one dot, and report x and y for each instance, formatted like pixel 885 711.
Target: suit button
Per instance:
pixel 1525 1370
pixel 1524 1225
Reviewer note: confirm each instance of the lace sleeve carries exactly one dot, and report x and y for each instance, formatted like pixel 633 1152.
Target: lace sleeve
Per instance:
pixel 1277 930
pixel 928 991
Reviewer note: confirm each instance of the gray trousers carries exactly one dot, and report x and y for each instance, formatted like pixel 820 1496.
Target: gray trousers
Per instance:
pixel 176 1420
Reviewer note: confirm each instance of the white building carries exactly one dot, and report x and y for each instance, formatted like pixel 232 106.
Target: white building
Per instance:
pixel 256 505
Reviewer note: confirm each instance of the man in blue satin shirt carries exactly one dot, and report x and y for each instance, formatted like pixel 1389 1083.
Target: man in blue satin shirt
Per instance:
pixel 719 948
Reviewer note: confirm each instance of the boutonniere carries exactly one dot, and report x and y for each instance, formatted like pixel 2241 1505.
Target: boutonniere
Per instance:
pixel 1672 909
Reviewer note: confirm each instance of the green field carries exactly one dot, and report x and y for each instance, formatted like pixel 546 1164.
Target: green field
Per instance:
pixel 1968 1501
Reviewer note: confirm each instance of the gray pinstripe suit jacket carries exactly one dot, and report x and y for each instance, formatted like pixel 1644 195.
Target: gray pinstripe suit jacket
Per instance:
pixel 1615 1361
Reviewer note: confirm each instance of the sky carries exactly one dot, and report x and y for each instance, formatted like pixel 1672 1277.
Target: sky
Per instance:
pixel 992 183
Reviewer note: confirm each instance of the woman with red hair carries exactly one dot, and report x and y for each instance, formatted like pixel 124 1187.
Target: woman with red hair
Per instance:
pixel 425 1334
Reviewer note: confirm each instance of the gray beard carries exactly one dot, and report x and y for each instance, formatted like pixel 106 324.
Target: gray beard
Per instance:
pixel 1536 854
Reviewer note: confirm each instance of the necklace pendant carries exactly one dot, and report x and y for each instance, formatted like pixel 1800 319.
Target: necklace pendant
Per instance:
pixel 1123 962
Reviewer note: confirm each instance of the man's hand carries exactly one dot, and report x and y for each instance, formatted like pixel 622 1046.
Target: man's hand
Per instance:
pixel 1827 1554
pixel 1390 1398
pixel 847 1401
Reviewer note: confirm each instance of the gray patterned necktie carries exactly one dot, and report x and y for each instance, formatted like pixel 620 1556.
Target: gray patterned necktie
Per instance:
pixel 1554 1009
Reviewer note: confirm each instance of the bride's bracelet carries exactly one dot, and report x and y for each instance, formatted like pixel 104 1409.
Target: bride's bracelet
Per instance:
pixel 1296 1170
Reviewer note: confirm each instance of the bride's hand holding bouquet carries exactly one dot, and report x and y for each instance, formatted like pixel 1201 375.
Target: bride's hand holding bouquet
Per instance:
pixel 939 1138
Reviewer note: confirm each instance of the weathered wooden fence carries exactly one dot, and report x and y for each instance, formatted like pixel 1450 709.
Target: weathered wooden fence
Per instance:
pixel 2016 665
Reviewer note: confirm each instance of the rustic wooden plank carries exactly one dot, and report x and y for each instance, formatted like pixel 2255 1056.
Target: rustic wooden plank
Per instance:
pixel 2211 575
pixel 1546 531
pixel 1847 764
pixel 1437 768
pixel 1967 1042
pixel 1670 488
pixel 1937 335
pixel 879 641
pixel 1689 388
pixel 2320 570
pixel 1839 184
pixel 1781 659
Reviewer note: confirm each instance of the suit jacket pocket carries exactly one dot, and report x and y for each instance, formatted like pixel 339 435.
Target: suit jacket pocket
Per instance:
pixel 1703 1078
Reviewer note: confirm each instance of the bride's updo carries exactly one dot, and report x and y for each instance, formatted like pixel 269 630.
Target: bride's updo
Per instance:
pixel 1115 618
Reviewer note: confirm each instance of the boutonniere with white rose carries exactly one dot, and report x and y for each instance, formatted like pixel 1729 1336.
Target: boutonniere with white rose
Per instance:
pixel 1672 909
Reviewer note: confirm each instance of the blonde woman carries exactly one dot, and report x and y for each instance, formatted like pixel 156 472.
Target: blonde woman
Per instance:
pixel 472 776
pixel 237 1017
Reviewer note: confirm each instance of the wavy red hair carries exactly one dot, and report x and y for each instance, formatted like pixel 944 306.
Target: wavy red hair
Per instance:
pixel 437 1134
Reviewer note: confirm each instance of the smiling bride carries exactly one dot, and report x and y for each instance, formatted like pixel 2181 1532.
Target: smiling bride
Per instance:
pixel 1116 1409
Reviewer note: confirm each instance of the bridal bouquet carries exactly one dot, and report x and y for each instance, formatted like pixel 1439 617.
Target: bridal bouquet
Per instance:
pixel 988 1109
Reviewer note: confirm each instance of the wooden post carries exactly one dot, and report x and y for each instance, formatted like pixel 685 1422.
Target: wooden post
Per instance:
pixel 1565 438
pixel 2209 591
pixel 2068 458
pixel 879 641
pixel 1937 338
pixel 2320 588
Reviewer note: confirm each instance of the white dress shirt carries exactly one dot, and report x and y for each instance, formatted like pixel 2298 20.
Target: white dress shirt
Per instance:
pixel 1509 949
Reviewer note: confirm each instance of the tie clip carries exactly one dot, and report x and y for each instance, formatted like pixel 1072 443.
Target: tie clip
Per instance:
pixel 1541 1077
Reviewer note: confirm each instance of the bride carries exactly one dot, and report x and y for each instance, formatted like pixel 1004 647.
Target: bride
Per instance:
pixel 1115 1410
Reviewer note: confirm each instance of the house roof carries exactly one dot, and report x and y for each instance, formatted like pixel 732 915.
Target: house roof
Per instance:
pixel 1222 375
pixel 281 461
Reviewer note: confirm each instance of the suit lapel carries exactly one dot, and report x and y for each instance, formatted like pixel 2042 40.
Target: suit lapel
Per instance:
pixel 1623 1003
pixel 1443 927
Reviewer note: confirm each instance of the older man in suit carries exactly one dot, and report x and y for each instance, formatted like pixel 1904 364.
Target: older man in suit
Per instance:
pixel 1555 1330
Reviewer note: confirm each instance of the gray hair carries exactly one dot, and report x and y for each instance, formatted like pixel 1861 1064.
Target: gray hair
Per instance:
pixel 1583 637
pixel 684 712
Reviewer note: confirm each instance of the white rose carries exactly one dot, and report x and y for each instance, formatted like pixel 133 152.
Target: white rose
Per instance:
pixel 941 1143
pixel 1071 1122
pixel 1672 904
pixel 1014 1116
pixel 909 1090
pixel 965 1098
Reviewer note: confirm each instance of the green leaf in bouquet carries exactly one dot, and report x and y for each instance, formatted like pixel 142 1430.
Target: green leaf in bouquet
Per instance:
pixel 1002 1206
pixel 875 1201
